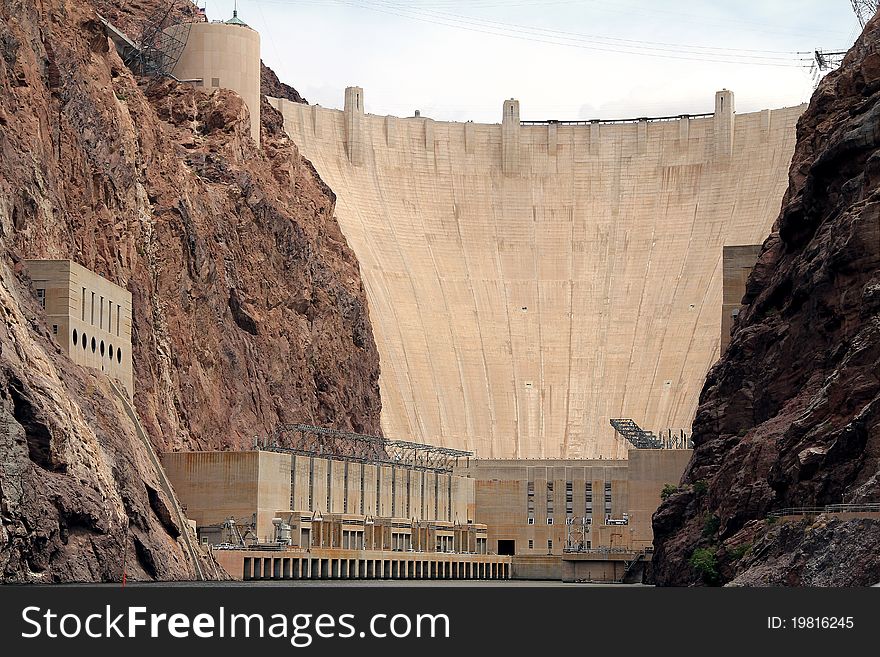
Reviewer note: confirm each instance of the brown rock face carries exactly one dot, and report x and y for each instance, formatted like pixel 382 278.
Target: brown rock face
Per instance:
pixel 790 415
pixel 248 306
pixel 132 15
pixel 271 86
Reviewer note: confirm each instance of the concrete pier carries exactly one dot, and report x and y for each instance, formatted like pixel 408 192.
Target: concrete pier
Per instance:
pixel 249 565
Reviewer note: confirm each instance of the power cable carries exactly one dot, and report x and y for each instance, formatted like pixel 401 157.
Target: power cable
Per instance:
pixel 516 34
pixel 593 37
pixel 589 42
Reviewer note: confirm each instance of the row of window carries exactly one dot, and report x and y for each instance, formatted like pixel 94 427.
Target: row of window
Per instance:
pixel 215 82
pixel 569 500
pixel 379 510
pixel 588 520
pixel 83 340
pixel 41 298
pixel 110 313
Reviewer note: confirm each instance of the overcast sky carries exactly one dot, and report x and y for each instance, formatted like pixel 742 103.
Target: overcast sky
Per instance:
pixel 563 59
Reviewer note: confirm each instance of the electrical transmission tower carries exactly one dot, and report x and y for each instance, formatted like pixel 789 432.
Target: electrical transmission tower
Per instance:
pixel 827 60
pixel 865 10
pixel 163 37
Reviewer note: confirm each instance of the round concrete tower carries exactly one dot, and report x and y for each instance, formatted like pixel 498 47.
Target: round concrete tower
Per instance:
pixel 226 55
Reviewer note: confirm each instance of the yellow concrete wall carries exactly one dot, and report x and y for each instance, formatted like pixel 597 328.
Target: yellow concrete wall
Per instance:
pixel 415 492
pixel 319 486
pixel 648 472
pixel 217 485
pixel 430 494
pixel 353 488
pixel 410 479
pixel 273 490
pixel 443 497
pixel 398 498
pixel 462 499
pixel 214 486
pixel 229 54
pixel 536 568
pixel 385 509
pixel 301 484
pixel 337 486
pixel 370 508
pixel 501 497
pixel 737 264
pixel 101 326
pixel 525 290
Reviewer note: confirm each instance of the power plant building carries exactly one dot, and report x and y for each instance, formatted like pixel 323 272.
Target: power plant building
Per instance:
pixel 216 486
pixel 537 289
pixel 550 506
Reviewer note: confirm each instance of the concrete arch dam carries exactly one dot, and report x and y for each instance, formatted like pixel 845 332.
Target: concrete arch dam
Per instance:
pixel 528 282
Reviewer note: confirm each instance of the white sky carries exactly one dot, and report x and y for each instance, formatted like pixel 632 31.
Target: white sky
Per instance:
pixel 563 59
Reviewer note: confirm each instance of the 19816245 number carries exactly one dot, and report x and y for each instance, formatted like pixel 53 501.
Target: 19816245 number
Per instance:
pixel 811 623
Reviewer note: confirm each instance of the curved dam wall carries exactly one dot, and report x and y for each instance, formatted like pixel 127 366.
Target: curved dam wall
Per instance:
pixel 529 282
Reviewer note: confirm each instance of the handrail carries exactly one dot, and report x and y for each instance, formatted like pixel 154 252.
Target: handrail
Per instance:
pixel 606 550
pixel 648 119
pixel 868 507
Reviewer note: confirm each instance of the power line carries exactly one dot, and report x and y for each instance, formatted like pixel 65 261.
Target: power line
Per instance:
pixel 604 7
pixel 598 38
pixel 796 60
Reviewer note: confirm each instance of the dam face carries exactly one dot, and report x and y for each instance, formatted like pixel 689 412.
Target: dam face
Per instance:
pixel 529 282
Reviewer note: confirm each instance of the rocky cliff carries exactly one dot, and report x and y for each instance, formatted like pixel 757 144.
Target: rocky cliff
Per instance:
pixel 790 415
pixel 271 86
pixel 248 310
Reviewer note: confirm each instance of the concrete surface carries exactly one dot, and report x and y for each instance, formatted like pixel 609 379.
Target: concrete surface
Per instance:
pixel 527 283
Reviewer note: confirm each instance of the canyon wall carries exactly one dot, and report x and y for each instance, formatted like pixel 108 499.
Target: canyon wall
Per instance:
pixel 790 415
pixel 248 309
pixel 527 283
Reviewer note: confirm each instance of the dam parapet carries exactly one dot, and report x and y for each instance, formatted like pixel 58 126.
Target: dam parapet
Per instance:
pixel 524 146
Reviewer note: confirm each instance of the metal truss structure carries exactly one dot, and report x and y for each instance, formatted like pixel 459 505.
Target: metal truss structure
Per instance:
pixel 637 437
pixel 162 40
pixel 641 439
pixel 308 440
pixel 865 10
pixel 673 439
pixel 576 534
pixel 827 59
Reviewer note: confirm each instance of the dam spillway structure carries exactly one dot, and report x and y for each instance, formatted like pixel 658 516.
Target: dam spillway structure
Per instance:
pixel 528 281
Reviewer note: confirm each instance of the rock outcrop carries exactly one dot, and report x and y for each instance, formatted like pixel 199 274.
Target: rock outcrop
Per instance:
pixel 271 86
pixel 790 415
pixel 248 310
